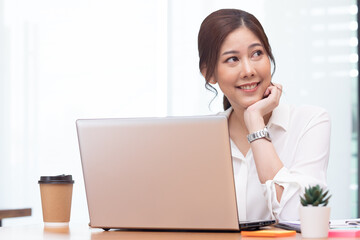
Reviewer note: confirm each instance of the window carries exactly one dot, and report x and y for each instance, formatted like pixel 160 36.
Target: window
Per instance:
pixel 64 60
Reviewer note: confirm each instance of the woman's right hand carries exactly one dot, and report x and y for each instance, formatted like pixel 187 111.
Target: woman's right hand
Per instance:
pixel 254 114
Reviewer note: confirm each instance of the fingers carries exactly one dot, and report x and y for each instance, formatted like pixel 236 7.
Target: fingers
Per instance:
pixel 271 88
pixel 270 100
pixel 278 86
pixel 272 95
pixel 266 93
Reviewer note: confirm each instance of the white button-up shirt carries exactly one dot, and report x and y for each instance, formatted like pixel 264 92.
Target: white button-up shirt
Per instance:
pixel 301 137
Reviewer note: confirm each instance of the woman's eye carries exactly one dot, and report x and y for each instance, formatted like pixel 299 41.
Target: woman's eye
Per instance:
pixel 258 53
pixel 232 59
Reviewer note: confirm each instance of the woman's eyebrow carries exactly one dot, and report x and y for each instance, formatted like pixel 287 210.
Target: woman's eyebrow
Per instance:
pixel 230 52
pixel 237 52
pixel 255 45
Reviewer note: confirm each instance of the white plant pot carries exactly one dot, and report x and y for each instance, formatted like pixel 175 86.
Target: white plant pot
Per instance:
pixel 314 221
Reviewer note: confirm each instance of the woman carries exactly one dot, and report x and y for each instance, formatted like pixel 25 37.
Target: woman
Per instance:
pixel 277 150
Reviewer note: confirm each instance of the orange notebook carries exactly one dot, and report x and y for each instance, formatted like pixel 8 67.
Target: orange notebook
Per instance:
pixel 268 233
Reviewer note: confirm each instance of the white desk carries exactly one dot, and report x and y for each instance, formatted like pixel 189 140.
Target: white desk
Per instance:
pixel 83 232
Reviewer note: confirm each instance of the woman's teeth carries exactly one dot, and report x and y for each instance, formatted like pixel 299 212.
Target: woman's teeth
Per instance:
pixel 249 87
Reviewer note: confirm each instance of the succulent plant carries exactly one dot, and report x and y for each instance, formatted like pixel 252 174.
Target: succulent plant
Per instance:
pixel 315 196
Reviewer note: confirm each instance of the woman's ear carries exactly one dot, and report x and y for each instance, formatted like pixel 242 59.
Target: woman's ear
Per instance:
pixel 212 79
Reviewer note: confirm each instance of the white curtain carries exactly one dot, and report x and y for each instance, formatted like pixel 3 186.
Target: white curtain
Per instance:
pixel 64 60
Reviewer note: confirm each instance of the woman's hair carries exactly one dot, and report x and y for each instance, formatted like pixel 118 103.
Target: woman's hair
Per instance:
pixel 213 31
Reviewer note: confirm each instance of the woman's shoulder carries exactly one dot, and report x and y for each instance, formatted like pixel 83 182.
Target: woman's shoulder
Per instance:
pixel 298 117
pixel 308 113
pixel 309 110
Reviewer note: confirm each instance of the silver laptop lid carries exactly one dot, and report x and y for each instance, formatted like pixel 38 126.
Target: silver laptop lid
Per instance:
pixel 158 173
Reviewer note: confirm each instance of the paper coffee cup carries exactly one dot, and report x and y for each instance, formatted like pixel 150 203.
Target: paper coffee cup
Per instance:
pixel 56 195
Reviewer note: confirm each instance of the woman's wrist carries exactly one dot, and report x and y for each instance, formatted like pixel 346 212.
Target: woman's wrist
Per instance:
pixel 254 121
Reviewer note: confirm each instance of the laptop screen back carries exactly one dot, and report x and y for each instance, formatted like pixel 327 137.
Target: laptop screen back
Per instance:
pixel 158 173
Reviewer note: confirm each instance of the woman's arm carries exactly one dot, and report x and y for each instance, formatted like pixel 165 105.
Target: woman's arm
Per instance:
pixel 266 159
pixel 308 155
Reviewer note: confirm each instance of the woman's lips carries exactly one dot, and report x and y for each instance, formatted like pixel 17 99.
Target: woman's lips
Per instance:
pixel 249 87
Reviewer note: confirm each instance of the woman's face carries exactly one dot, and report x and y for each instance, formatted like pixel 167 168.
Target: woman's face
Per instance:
pixel 243 70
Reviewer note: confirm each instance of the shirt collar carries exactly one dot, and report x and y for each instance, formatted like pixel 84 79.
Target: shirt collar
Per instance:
pixel 279 116
pixel 227 112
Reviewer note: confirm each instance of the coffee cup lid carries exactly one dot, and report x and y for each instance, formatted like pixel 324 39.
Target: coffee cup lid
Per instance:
pixel 59 179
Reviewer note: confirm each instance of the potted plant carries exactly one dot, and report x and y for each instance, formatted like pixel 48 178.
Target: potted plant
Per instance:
pixel 314 213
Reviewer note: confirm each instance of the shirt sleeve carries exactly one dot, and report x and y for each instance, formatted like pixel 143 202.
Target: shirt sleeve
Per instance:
pixel 308 168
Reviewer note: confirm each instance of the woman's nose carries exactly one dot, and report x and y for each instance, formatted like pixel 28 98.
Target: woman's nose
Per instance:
pixel 247 69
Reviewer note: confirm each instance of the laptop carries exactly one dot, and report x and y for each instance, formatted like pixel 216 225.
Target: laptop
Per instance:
pixel 171 173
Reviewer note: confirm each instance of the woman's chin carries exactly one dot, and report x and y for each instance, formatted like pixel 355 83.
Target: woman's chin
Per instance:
pixel 247 103
pixel 250 103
